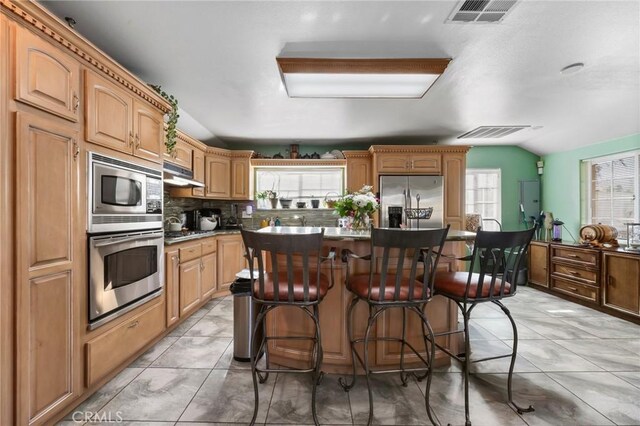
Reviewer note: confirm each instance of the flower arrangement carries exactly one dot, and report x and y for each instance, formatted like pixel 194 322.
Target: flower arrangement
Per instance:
pixel 359 205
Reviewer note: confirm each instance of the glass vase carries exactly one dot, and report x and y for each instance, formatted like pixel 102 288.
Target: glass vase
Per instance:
pixel 361 222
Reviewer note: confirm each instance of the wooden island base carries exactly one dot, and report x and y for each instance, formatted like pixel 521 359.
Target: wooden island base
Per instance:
pixel 291 321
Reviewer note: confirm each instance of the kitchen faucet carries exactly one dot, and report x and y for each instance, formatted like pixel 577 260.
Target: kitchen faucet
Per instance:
pixel 303 220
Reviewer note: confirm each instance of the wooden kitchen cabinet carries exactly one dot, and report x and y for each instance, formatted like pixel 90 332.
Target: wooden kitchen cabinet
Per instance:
pixel 49 255
pixel 621 282
pixel 182 155
pixel 209 275
pixel 575 272
pixel 116 121
pixel 217 174
pixel 198 171
pixel 539 263
pixel 190 285
pixel 409 163
pixel 240 178
pixel 172 285
pixel 230 259
pixel 46 77
pixel 359 171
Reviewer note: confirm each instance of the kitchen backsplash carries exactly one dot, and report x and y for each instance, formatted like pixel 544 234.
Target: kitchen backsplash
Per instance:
pixel 289 217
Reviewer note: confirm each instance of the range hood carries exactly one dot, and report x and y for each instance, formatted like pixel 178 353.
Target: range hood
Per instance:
pixel 178 176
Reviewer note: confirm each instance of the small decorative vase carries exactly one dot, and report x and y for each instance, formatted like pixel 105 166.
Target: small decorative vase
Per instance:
pixel 274 203
pixel 360 222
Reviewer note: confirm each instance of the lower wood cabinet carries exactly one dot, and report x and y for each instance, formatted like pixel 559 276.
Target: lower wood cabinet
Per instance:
pixel 539 263
pixel 109 350
pixel 621 279
pixel 230 259
pixel 209 276
pixel 190 284
pixel 172 285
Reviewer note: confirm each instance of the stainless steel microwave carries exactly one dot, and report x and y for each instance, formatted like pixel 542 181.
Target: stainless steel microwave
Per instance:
pixel 123 196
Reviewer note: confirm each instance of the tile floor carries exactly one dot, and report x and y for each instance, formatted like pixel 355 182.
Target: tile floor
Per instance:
pixel 576 366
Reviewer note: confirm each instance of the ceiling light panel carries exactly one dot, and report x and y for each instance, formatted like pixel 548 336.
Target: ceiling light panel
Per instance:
pixel 481 11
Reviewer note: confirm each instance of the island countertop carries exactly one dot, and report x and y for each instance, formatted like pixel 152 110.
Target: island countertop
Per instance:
pixel 335 233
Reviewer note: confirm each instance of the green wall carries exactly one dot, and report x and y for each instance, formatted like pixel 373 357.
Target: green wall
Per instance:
pixel 561 179
pixel 515 164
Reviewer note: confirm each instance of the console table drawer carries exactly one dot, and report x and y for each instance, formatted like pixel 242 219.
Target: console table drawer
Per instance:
pixel 585 257
pixel 574 272
pixel 575 289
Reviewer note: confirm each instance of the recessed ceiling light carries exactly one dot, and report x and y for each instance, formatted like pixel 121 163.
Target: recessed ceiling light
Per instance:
pixel 573 68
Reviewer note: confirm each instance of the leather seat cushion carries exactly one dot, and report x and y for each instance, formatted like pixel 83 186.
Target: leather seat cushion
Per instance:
pixel 298 287
pixel 455 284
pixel 359 285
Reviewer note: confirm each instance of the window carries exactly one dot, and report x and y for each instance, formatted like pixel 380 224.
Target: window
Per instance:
pixel 300 183
pixel 613 185
pixel 483 196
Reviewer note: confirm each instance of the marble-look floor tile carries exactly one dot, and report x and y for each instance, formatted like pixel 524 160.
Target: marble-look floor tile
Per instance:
pixel 554 405
pixel 554 328
pixel 631 345
pixel 193 352
pixel 226 361
pixel 183 327
pixel 212 325
pixel 609 358
pixel 392 403
pixel 127 423
pixel 608 328
pixel 200 312
pixel 549 356
pixel 489 348
pixel 291 402
pixel 157 394
pixel 484 310
pixel 501 328
pixel 477 332
pixel 224 308
pixel 619 403
pixel 154 352
pixel 103 395
pixel 486 401
pixel 227 396
pixel 632 377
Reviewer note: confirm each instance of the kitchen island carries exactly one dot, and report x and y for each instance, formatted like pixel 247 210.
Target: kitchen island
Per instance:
pixel 442 313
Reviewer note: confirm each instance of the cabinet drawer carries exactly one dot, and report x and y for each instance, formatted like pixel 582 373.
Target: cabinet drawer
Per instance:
pixel 578 290
pixel 586 257
pixel 191 252
pixel 209 246
pixel 574 272
pixel 106 352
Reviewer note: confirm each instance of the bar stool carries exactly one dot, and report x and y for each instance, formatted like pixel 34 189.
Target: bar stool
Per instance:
pixel 396 252
pixel 300 284
pixel 491 252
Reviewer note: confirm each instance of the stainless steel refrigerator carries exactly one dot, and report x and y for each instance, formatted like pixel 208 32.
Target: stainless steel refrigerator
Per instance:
pixel 412 192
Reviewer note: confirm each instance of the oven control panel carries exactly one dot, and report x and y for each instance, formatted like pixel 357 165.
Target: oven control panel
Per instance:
pixel 154 195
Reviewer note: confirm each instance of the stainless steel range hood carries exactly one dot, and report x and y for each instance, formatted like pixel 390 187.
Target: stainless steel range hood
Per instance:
pixel 178 176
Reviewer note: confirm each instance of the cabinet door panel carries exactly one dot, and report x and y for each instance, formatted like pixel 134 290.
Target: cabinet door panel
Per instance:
pixel 426 163
pixel 217 177
pixel 46 77
pixel 108 114
pixel 172 286
pixel 240 179
pixel 198 165
pixel 230 259
pixel 209 275
pixel 622 282
pixel 358 173
pixel 190 279
pixel 538 264
pixel 182 155
pixel 148 133
pixel 392 163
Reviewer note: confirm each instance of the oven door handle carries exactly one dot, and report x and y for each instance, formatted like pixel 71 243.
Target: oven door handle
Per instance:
pixel 127 239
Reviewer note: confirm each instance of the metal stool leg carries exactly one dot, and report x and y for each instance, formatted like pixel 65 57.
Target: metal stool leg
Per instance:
pixel 318 363
pixel 466 365
pixel 254 360
pixel 343 382
pixel 520 409
pixel 367 374
pixel 431 357
pixel 403 375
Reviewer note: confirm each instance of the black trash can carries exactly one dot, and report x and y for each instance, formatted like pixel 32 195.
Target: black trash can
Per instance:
pixel 245 312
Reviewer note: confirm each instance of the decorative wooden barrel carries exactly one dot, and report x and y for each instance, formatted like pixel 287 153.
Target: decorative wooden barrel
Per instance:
pixel 599 233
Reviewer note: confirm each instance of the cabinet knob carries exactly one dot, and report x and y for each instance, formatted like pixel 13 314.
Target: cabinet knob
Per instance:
pixel 76 150
pixel 133 324
pixel 572 289
pixel 76 102
pixel 131 139
pixel 137 141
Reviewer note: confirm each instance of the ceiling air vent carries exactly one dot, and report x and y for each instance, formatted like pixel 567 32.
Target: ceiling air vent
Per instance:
pixel 481 11
pixel 491 132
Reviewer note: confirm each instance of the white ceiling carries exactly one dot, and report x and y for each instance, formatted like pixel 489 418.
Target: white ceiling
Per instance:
pixel 218 59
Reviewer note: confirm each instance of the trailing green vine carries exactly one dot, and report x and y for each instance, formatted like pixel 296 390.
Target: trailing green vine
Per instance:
pixel 172 121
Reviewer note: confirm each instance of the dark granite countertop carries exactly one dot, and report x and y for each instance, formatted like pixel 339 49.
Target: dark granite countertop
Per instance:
pixel 189 237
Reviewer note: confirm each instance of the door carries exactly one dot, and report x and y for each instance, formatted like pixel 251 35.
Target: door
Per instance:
pixel 48 264
pixel 230 259
pixel 217 177
pixel 622 282
pixel 426 192
pixel 538 264
pixel 209 275
pixel 172 285
pixel 240 179
pixel 190 281
pixel 46 77
pixel 148 129
pixel 109 113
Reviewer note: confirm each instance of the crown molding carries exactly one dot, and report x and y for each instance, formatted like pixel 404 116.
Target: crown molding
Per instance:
pixel 43 22
pixel 422 149
pixel 285 162
pixel 360 153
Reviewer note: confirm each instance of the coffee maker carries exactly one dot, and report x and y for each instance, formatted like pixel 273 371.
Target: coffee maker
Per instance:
pixel 193 220
pixel 395 217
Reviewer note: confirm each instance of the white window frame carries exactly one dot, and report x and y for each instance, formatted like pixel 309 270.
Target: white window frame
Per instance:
pixel 498 171
pixel 280 194
pixel 587 174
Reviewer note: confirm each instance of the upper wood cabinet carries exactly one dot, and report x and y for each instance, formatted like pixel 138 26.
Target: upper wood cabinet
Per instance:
pixel 182 155
pixel 240 178
pixel 358 169
pixel 217 176
pixel 116 121
pixel 409 163
pixel 46 77
pixel 48 360
pixel 621 282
